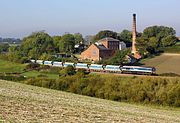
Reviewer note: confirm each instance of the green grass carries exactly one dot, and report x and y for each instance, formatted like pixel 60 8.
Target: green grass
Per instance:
pixel 24 103
pixel 36 73
pixel 11 67
pixel 6 66
pixel 172 49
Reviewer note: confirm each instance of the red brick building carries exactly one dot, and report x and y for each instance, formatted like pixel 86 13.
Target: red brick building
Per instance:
pixel 105 48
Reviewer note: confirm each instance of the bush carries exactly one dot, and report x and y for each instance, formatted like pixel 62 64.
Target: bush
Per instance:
pixel 160 91
pixel 170 74
pixel 32 66
pixel 68 71
pixel 15 78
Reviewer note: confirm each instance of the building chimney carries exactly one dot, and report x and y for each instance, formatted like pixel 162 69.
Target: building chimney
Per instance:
pixel 134 34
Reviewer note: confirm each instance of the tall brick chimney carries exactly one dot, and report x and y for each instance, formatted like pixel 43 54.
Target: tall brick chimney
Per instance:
pixel 134 34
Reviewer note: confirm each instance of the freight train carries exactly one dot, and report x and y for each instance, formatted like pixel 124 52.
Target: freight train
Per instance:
pixel 101 68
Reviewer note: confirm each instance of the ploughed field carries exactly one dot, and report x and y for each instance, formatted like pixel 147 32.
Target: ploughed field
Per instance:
pixel 24 103
pixel 165 63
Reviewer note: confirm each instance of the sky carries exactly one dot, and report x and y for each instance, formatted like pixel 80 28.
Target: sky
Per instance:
pixel 19 18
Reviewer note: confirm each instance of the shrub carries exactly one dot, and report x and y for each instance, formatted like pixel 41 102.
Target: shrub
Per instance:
pixel 15 78
pixel 32 66
pixel 68 71
pixel 161 91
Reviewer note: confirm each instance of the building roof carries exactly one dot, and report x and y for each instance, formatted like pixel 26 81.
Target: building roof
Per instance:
pixel 101 47
pixel 109 39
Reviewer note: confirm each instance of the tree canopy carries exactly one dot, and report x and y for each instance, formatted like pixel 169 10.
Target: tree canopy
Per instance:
pixel 104 34
pixel 126 35
pixel 78 38
pixel 156 37
pixel 67 43
pixel 36 44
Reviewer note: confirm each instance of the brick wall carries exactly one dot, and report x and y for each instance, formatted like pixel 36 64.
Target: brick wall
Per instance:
pixel 113 45
pixel 104 54
pixel 91 53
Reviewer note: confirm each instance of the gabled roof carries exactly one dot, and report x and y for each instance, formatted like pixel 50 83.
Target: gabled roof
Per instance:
pixel 109 39
pixel 101 47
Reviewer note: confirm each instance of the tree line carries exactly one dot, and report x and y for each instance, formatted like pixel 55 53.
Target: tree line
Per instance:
pixel 40 45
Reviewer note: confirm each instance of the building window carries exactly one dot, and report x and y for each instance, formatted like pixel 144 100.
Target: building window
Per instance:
pixel 94 53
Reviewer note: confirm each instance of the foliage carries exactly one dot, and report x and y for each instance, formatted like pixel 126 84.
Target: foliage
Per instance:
pixel 118 59
pixel 6 66
pixel 32 66
pixel 170 74
pixel 156 37
pixel 126 35
pixel 15 54
pixel 68 71
pixel 57 40
pixel 159 32
pixel 169 41
pixel 104 34
pixel 160 91
pixel 67 43
pixel 4 48
pixel 37 44
pixel 15 78
pixel 171 49
pixel 46 56
pixel 78 38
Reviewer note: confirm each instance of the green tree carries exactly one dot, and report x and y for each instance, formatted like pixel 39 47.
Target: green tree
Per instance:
pixel 169 41
pixel 104 34
pixel 155 37
pixel 159 32
pixel 126 35
pixel 147 45
pixel 57 41
pixel 67 43
pixel 4 47
pixel 36 44
pixel 46 56
pixel 16 55
pixel 78 38
pixel 118 59
pixel 68 71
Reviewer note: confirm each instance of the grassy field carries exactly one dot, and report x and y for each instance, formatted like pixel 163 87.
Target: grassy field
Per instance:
pixel 172 49
pixel 24 103
pixel 6 66
pixel 165 63
pixel 36 73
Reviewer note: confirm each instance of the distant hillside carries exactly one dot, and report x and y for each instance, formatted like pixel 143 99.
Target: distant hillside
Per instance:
pixel 165 63
pixel 24 103
pixel 10 40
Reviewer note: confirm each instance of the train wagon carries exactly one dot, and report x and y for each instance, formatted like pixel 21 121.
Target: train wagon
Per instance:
pixel 57 64
pixel 138 70
pixel 68 64
pixel 41 62
pixel 112 68
pixel 48 63
pixel 33 61
pixel 81 66
pixel 96 67
pixel 101 68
